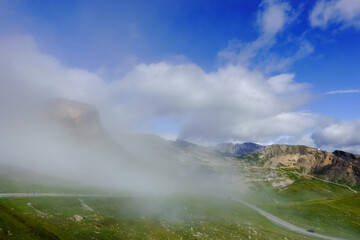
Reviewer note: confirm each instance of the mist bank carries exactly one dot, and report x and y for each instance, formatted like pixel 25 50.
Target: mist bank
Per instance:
pixel 86 140
pixel 65 139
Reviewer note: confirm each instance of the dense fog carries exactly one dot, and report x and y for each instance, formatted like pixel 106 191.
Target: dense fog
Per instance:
pixel 52 136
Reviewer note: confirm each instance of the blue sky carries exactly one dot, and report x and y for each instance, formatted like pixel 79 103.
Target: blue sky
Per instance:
pixel 127 45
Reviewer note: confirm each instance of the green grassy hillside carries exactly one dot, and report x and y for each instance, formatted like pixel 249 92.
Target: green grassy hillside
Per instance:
pixel 324 207
pixel 312 204
pixel 135 218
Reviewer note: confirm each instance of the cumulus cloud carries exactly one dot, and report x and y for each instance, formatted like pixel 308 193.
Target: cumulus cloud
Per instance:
pixel 284 83
pixel 232 102
pixel 343 12
pixel 339 135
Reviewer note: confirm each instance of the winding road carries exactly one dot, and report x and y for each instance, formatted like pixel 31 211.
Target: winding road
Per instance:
pixel 285 224
pixel 269 216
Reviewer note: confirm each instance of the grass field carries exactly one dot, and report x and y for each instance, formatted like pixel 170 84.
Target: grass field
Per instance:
pixel 175 217
pixel 326 208
pixel 308 203
pixel 339 217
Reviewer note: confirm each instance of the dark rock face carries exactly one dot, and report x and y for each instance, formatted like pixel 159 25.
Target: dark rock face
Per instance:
pixel 345 167
pixel 346 156
pixel 238 149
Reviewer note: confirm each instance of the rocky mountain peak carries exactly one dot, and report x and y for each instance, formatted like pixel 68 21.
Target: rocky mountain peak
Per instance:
pixel 77 115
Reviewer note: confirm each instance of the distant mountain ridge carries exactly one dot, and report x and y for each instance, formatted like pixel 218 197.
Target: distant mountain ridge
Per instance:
pixel 238 149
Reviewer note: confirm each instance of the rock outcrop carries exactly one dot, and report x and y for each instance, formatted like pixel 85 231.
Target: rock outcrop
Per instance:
pixel 77 115
pixel 77 218
pixel 338 166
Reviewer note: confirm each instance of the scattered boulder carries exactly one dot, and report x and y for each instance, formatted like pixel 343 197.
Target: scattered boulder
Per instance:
pixel 78 218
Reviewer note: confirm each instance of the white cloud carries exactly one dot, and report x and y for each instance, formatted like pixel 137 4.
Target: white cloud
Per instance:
pixel 232 102
pixel 343 91
pixel 344 12
pixel 284 83
pixel 273 16
pixel 28 140
pixel 301 139
pixel 265 129
pixel 22 62
pixel 25 70
pixel 339 135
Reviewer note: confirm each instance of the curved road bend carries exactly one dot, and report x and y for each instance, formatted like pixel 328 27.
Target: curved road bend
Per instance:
pixel 285 224
pixel 270 217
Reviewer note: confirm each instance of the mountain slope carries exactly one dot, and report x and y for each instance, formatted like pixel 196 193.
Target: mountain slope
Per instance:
pixel 237 149
pixel 338 166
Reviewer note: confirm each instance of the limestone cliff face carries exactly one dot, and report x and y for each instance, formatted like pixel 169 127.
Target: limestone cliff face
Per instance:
pixel 77 115
pixel 337 166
